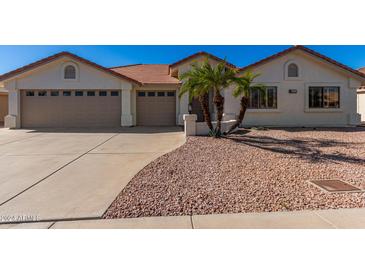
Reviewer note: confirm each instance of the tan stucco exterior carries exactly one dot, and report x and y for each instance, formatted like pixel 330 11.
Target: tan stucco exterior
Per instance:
pixel 293 109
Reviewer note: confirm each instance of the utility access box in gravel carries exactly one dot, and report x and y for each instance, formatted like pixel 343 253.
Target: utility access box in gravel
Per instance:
pixel 334 186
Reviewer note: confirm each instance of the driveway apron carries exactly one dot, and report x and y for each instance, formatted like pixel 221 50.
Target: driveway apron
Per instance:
pixel 74 174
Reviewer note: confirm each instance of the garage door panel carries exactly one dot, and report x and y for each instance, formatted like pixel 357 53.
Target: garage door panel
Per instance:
pixel 31 105
pixel 156 110
pixel 70 111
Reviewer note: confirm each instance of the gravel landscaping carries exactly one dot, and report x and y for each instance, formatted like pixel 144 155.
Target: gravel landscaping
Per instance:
pixel 250 171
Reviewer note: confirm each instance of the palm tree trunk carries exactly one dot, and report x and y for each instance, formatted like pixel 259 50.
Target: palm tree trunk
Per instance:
pixel 219 103
pixel 204 103
pixel 244 104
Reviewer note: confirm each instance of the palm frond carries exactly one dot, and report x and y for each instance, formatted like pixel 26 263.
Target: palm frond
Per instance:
pixel 204 77
pixel 244 83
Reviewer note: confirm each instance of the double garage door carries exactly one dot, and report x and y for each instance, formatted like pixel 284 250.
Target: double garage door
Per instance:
pixel 67 109
pixel 156 108
pixel 89 108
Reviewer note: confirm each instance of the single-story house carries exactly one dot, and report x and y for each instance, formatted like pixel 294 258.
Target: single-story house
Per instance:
pixel 303 88
pixel 361 99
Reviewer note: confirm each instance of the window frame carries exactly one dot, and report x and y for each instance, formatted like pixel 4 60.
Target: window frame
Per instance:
pixel 44 92
pixel 297 70
pixel 286 70
pixel 323 90
pixel 266 109
pixel 55 93
pixel 323 85
pixel 72 75
pixel 279 95
pixel 63 68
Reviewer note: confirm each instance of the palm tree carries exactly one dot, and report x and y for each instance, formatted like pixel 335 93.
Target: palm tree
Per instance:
pixel 193 86
pixel 243 85
pixel 201 79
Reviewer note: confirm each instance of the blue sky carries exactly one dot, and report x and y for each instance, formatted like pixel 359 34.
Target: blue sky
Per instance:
pixel 12 57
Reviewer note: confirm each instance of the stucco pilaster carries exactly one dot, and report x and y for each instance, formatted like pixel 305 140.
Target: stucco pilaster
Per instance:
pixel 12 120
pixel 126 101
pixel 231 104
pixel 183 107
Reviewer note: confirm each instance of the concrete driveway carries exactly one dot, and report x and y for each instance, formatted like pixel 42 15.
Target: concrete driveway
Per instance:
pixel 54 175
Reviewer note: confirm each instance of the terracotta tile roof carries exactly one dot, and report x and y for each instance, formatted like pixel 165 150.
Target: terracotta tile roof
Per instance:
pixel 362 70
pixel 148 74
pixel 201 53
pixel 59 55
pixel 305 49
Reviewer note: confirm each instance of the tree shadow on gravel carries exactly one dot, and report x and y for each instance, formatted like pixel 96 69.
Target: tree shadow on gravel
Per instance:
pixel 324 129
pixel 308 149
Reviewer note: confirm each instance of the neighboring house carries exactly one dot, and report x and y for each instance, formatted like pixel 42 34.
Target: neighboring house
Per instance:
pixel 304 88
pixel 3 105
pixel 361 99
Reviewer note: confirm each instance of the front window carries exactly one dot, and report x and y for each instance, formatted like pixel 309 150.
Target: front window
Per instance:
pixel 263 99
pixel 324 97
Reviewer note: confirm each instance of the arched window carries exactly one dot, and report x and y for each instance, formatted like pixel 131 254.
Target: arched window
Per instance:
pixel 293 70
pixel 70 72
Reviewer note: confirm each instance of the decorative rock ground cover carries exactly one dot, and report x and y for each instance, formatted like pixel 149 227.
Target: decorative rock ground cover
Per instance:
pixel 250 171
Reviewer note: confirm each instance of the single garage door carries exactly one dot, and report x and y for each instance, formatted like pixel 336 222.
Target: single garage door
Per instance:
pixel 70 109
pixel 156 108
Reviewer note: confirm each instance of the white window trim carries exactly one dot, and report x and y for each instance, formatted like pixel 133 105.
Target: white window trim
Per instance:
pixel 269 110
pixel 63 71
pixel 323 110
pixel 263 110
pixel 286 77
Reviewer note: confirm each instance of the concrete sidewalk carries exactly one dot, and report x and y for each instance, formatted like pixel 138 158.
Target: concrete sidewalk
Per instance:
pixel 336 218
